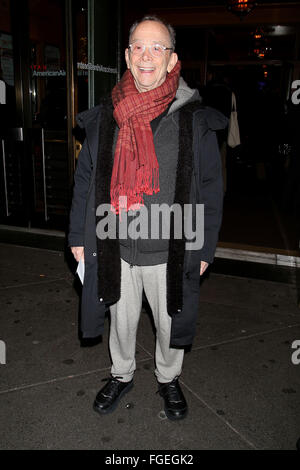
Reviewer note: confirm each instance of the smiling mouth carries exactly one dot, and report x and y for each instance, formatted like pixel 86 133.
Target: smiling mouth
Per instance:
pixel 144 69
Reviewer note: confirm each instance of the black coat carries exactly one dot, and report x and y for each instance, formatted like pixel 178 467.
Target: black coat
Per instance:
pixel 199 180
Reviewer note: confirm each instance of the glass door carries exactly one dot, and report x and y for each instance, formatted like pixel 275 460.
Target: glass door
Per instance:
pixel 57 57
pixel 97 40
pixel 13 201
pixel 48 91
pixel 96 54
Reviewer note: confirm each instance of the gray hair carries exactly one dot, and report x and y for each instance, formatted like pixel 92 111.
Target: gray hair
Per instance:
pixel 157 20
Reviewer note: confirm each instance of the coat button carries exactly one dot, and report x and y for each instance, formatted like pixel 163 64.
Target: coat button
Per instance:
pixel 94 254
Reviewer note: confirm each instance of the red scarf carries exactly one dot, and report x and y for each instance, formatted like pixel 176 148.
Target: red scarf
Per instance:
pixel 135 169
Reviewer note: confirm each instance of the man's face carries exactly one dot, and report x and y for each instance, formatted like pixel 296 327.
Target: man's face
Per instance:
pixel 150 72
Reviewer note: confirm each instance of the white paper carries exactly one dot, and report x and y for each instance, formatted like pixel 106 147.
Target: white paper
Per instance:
pixel 80 269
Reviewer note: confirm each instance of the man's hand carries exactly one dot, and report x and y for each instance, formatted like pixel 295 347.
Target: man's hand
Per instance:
pixel 78 252
pixel 203 267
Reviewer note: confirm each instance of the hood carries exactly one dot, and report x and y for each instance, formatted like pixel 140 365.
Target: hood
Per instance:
pixel 215 120
pixel 184 95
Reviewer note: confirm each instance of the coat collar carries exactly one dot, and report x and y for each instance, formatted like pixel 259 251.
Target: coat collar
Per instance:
pixel 90 121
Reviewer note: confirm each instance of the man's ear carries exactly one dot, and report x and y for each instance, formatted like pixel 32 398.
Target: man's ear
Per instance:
pixel 127 58
pixel 172 62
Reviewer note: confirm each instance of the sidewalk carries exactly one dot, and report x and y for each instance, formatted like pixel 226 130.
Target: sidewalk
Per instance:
pixel 242 388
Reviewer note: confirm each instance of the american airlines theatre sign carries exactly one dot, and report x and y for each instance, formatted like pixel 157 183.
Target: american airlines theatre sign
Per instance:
pixel 43 71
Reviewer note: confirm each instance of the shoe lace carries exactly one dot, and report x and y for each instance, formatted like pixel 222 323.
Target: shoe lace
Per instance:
pixel 112 384
pixel 174 393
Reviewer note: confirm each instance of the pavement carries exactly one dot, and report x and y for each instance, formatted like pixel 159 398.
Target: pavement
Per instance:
pixel 241 378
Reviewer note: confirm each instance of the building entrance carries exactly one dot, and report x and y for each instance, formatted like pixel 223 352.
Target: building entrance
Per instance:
pixel 54 64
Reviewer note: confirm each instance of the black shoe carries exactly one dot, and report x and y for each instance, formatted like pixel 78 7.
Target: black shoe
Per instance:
pixel 175 403
pixel 108 397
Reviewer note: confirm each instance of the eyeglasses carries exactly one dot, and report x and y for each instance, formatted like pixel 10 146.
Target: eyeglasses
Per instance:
pixel 156 50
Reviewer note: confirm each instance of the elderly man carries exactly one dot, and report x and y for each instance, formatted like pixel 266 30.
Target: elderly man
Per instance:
pixel 151 143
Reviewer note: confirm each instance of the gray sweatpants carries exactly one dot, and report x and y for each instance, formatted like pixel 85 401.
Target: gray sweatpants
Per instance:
pixel 125 316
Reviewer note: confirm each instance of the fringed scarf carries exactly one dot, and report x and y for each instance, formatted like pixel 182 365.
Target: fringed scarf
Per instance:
pixel 135 170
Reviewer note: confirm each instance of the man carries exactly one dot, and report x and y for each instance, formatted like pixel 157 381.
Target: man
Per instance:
pixel 154 144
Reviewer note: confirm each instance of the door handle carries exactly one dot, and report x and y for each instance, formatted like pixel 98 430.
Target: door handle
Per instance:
pixel 16 134
pixel 5 179
pixel 44 175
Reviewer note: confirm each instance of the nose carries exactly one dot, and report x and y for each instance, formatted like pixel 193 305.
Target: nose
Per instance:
pixel 146 54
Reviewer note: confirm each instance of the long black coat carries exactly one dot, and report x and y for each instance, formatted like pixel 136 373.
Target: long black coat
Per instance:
pixel 199 180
